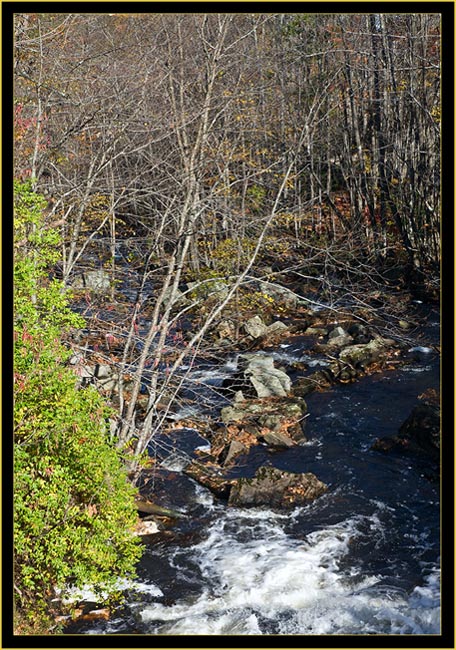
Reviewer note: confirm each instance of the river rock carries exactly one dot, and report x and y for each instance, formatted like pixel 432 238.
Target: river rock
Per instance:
pixel 97 280
pixel 423 428
pixel 145 528
pixel 316 331
pixel 420 433
pixel 101 614
pixel 210 476
pixel 101 375
pixel 361 355
pixel 209 287
pixel 227 329
pixel 235 449
pixel 257 376
pixel 299 325
pixel 336 343
pixel 317 380
pixel 279 294
pixel 337 332
pixel 275 488
pixel 359 332
pixel 338 338
pixel 276 329
pixel 275 437
pixel 267 380
pixel 279 423
pixel 255 327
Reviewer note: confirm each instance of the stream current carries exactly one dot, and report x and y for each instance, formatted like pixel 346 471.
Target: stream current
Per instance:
pixel 362 559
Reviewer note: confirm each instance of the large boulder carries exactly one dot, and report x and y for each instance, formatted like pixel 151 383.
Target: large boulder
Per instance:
pixel 267 380
pixel 420 433
pixel 255 327
pixel 275 488
pixel 257 376
pixel 97 280
pixel 422 428
pixel 362 355
pixel 280 294
pixel 277 422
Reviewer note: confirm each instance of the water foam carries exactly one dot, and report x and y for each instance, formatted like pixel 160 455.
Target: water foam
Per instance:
pixel 262 581
pixel 89 594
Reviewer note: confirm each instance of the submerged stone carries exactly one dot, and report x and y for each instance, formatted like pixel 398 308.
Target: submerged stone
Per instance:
pixel 419 434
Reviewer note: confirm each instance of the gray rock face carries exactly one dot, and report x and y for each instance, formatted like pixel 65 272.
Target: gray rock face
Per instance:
pixel 267 380
pixel 279 294
pixel 364 354
pixel 336 332
pixel 96 280
pixel 255 327
pixel 276 488
pixel 208 287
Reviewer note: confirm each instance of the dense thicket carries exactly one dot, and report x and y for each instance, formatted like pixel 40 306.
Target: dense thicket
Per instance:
pixel 73 505
pixel 178 123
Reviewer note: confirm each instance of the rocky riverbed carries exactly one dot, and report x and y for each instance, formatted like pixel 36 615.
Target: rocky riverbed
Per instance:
pixel 254 403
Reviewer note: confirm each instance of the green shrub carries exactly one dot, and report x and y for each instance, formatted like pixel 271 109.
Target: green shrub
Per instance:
pixel 73 505
pixel 230 255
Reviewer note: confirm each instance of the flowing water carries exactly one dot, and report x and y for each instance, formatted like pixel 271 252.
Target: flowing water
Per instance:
pixel 362 559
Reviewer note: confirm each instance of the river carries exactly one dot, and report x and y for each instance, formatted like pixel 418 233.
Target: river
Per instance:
pixel 362 559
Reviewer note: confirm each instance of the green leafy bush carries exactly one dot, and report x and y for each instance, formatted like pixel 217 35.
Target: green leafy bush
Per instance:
pixel 73 505
pixel 230 255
